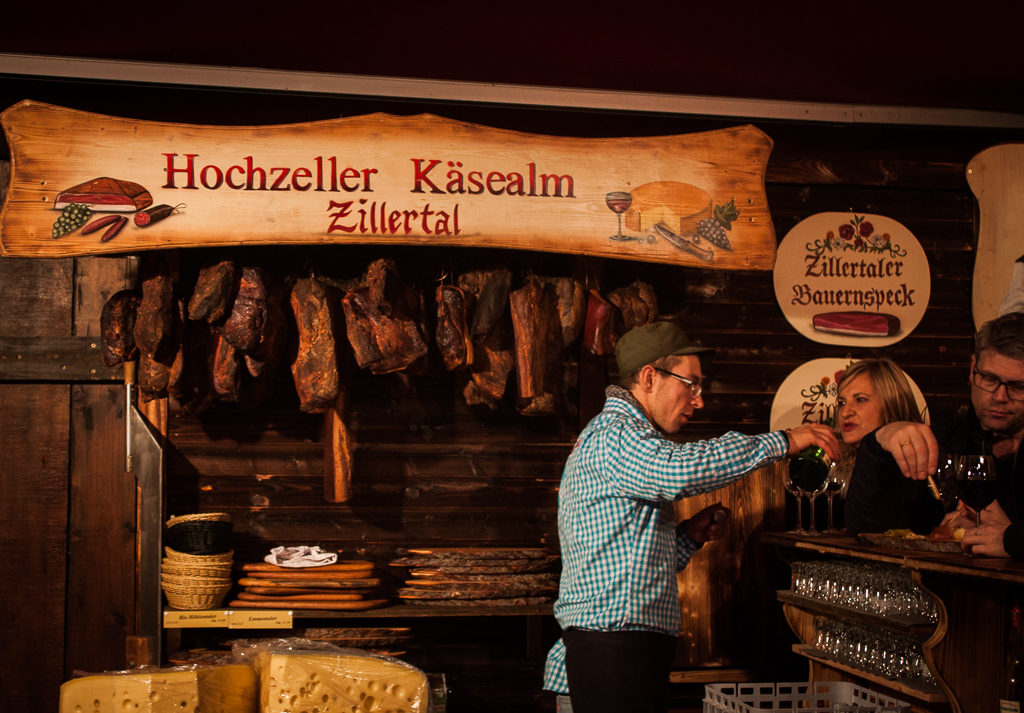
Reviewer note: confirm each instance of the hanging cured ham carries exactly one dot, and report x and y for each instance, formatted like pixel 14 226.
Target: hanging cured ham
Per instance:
pixel 383 321
pixel 491 334
pixel 214 292
pixel 117 327
pixel 315 369
pixel 155 335
pixel 249 311
pixel 538 347
pixel 452 332
pixel 637 305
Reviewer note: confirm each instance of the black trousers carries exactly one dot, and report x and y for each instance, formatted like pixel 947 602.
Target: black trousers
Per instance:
pixel 618 671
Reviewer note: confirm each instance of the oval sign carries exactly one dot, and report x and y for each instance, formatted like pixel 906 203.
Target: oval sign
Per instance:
pixel 808 394
pixel 846 278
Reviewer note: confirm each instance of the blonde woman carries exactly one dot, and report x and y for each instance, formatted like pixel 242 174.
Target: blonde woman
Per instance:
pixel 872 393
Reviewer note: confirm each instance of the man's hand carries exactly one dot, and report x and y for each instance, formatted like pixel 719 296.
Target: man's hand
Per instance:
pixel 912 445
pixel 813 434
pixel 987 539
pixel 708 524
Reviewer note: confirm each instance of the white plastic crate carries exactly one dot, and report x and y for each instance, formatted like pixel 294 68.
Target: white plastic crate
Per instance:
pixel 800 697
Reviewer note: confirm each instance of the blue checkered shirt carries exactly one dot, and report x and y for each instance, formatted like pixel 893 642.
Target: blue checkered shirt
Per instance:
pixel 616 524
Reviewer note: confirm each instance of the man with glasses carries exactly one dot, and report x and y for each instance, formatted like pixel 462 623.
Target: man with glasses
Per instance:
pixel 993 424
pixel 621 548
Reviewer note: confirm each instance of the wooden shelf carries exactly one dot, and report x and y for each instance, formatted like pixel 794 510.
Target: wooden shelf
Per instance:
pixel 404 611
pixel 951 563
pixel 902 624
pixel 930 694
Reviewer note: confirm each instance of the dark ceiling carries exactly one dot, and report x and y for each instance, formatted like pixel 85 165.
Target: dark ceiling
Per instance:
pixel 940 55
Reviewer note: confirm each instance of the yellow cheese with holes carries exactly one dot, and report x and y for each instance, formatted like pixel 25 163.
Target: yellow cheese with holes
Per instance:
pixel 334 682
pixel 231 688
pixel 678 206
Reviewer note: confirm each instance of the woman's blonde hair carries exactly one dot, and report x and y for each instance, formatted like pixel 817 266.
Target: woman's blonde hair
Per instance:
pixel 891 385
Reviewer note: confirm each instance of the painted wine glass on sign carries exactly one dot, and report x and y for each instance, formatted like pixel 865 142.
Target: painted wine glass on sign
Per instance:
pixel 619 202
pixel 976 482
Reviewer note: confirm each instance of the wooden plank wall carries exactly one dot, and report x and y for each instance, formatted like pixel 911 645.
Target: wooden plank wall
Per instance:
pixel 430 470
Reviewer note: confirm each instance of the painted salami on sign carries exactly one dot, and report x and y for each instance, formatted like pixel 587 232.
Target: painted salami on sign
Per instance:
pixel 695 199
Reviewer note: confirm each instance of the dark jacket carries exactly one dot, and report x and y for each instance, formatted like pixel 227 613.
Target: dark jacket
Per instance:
pixel 964 434
pixel 880 497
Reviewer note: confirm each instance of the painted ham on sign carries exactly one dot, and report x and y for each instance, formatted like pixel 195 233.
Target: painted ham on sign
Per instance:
pixel 857 324
pixel 104 194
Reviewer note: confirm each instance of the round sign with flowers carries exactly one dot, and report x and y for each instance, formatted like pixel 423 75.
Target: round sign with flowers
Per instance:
pixel 851 278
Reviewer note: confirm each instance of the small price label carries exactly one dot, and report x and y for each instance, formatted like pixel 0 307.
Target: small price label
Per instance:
pixel 253 619
pixel 195 619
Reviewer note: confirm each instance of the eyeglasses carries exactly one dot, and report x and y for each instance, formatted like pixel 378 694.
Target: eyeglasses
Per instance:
pixel 991 383
pixel 696 388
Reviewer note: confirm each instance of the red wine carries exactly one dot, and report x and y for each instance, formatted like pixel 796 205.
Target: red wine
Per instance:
pixel 809 469
pixel 619 205
pixel 977 494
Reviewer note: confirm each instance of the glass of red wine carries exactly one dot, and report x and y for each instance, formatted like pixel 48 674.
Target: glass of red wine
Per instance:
pixel 619 202
pixel 976 482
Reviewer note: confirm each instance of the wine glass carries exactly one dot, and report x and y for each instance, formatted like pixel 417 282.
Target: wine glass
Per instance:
pixel 945 479
pixel 976 482
pixel 835 484
pixel 793 488
pixel 619 202
pixel 814 487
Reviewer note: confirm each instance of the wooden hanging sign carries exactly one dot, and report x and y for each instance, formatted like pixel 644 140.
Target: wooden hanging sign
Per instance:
pixel 86 184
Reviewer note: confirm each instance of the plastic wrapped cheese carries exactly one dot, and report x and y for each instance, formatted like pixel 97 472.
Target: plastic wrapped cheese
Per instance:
pixel 340 680
pixel 231 688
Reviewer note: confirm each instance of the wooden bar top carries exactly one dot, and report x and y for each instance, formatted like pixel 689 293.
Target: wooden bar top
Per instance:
pixel 955 563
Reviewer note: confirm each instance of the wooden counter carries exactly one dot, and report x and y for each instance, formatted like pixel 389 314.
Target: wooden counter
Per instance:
pixel 965 650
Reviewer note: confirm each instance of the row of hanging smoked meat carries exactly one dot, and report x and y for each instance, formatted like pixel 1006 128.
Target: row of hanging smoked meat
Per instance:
pixel 225 341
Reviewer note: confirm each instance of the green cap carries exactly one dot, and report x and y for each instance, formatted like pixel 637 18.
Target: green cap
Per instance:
pixel 649 342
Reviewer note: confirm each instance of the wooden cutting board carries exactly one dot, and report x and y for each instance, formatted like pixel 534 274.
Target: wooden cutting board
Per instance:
pixel 319 597
pixel 489 553
pixel 289 591
pixel 501 602
pixel 468 591
pixel 996 177
pixel 310 576
pixel 343 566
pixel 300 604
pixel 326 583
pixel 430 577
pixel 474 566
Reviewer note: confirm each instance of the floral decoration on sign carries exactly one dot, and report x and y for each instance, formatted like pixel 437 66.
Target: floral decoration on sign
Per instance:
pixel 819 399
pixel 857 235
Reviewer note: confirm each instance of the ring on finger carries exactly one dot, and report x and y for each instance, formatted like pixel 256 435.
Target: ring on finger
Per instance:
pixel 903 443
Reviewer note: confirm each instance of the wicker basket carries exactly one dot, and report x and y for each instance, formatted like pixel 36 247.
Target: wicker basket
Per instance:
pixel 187 580
pixel 200 517
pixel 200 537
pixel 200 560
pixel 195 596
pixel 179 568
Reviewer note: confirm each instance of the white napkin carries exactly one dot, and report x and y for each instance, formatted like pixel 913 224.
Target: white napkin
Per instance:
pixel 301 556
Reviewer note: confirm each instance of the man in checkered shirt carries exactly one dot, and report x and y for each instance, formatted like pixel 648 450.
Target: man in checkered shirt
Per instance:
pixel 618 600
